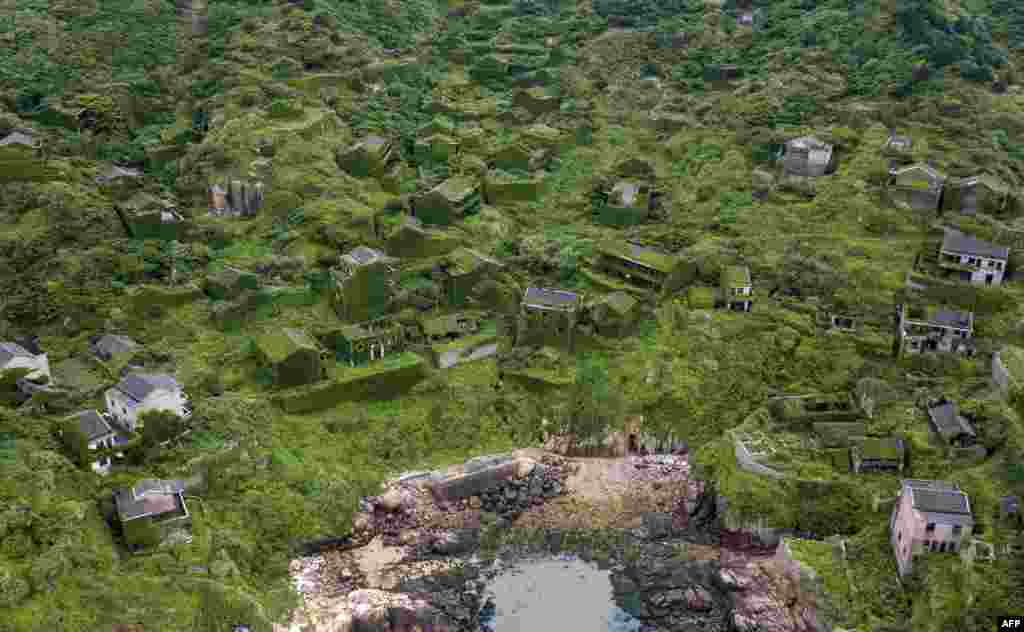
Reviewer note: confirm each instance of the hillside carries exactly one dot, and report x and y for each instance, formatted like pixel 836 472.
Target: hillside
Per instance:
pixel 193 94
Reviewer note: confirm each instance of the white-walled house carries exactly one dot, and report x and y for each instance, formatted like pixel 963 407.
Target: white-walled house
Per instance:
pixel 929 517
pixel 138 393
pixel 99 434
pixel 14 356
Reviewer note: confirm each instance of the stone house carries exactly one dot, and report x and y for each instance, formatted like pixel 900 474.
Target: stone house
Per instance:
pixel 149 510
pixel 644 266
pixel 440 329
pixel 138 393
pixel 948 425
pixel 461 270
pixel 877 454
pixel 96 431
pixel 807 156
pixel 918 186
pixel 1008 369
pixel 239 199
pixel 548 317
pixel 15 356
pixel 615 314
pixel 455 198
pixel 926 328
pixel 630 202
pixel 975 260
pixel 736 288
pixel 929 517
pixel 112 347
pixel 293 356
pixel 362 343
pixel 984 193
pixel 364 282
pixel 146 216
pixel 372 156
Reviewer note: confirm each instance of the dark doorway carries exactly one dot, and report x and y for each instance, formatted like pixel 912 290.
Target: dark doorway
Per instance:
pixel 633 444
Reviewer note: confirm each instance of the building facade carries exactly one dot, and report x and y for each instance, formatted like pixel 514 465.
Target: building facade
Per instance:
pixel 367 342
pixel 928 329
pixel 736 288
pixel 642 266
pixel 807 156
pixel 918 186
pixel 929 517
pixel 548 317
pixel 364 282
pixel 973 260
pixel 138 393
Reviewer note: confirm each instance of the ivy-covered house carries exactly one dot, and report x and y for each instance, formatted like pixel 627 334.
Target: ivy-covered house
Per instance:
pixel 548 317
pixel 362 343
pixel 86 432
pixel 615 314
pixel 950 428
pixel 644 266
pixel 736 289
pixel 807 156
pixel 292 355
pixel 372 156
pixel 982 193
pixel 629 203
pixel 462 269
pixel 448 327
pixel 146 216
pixel 150 510
pixel 454 199
pixel 918 186
pixel 877 454
pixel 364 282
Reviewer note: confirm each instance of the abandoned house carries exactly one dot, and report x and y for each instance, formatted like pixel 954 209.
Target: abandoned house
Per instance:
pixel 643 266
pixel 150 510
pixel 615 314
pixel 372 156
pixel 629 203
pixel 898 146
pixel 15 356
pixel 112 347
pixel 373 340
pixel 736 288
pixel 146 216
pixel 1008 369
pixel 461 270
pixel 440 329
pixel 918 186
pixel 454 199
pixel 929 516
pixel 93 429
pixel 239 199
pixel 411 240
pixel 548 317
pixel 807 156
pixel 948 425
pixel 877 454
pixel 926 328
pixel 974 260
pixel 985 193
pixel 293 357
pixel 139 393
pixel 364 282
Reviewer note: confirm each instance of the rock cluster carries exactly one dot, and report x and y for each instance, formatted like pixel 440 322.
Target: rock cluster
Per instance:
pixel 514 496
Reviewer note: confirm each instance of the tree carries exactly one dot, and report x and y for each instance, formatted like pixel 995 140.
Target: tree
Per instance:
pixel 594 404
pixel 159 426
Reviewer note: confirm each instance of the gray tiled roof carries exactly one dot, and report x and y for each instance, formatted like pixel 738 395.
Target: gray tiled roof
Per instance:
pixel 93 425
pixel 544 297
pixel 148 497
pixel 111 344
pixel 948 422
pixel 139 385
pixel 951 318
pixel 941 501
pixel 957 242
pixel 11 350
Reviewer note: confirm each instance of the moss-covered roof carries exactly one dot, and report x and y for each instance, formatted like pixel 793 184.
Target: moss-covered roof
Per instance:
pixel 443 325
pixel 620 302
pixel 457 189
pixel 466 260
pixel 278 345
pixel 889 448
pixel 640 254
pixel 735 276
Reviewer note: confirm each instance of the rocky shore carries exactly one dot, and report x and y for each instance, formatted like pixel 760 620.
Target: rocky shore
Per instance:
pixel 424 551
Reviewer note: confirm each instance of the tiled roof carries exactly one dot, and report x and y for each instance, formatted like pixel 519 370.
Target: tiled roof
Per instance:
pixel 948 422
pixel 148 497
pixel 890 448
pixel 643 255
pixel 139 385
pixel 941 501
pixel 93 425
pixel 957 242
pixel 544 297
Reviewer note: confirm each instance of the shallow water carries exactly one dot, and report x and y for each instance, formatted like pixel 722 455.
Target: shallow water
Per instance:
pixel 555 593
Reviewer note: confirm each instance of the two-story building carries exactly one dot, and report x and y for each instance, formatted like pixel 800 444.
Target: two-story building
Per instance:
pixel 736 289
pixel 364 282
pixel 149 510
pixel 138 393
pixel 985 193
pixel 15 356
pixel 923 329
pixel 808 156
pixel 643 266
pixel 548 317
pixel 974 260
pixel 929 517
pixel 918 186
pixel 366 342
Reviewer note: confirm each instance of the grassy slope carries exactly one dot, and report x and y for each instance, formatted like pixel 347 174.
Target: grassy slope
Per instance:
pixel 298 476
